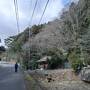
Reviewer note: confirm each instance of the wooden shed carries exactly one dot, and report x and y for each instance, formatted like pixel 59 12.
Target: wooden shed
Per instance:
pixel 43 62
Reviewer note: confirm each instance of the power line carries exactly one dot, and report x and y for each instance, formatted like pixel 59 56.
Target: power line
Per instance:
pixel 33 11
pixel 44 11
pixel 17 15
pixel 39 21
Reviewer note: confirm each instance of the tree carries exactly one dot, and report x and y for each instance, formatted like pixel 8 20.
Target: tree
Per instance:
pixel 2 49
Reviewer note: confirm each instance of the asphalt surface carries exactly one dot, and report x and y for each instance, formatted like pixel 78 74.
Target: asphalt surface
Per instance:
pixel 9 80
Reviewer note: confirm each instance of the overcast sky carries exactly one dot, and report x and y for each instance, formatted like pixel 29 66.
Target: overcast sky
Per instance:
pixel 8 19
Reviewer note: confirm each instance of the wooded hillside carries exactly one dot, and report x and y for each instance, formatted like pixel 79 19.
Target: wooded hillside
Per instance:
pixel 65 38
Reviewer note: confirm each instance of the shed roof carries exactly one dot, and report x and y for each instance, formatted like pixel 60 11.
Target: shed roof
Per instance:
pixel 44 59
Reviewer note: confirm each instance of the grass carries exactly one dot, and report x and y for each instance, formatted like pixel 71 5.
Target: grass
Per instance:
pixel 28 77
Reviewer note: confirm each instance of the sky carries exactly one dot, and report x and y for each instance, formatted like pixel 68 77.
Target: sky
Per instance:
pixel 8 25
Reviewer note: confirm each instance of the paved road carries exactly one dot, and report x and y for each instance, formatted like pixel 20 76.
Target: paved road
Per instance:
pixel 9 80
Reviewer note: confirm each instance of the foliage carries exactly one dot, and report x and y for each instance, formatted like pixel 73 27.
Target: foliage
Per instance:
pixel 76 24
pixel 2 49
pixel 25 59
pixel 36 29
pixel 14 45
pixel 57 60
pixel 8 41
pixel 75 60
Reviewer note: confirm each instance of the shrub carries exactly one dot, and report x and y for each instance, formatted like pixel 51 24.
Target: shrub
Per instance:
pixel 55 62
pixel 57 59
pixel 75 61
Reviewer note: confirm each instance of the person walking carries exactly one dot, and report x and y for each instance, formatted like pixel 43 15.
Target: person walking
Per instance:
pixel 16 67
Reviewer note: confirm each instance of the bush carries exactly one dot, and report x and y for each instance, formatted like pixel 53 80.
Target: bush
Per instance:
pixel 75 61
pixel 57 59
pixel 77 65
pixel 55 62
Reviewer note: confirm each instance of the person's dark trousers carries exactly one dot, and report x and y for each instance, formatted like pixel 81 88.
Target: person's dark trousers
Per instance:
pixel 15 69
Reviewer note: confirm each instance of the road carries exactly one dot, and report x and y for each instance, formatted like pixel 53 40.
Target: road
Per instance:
pixel 9 80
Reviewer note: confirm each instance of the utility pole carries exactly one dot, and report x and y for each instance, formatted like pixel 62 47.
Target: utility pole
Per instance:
pixel 29 41
pixel 0 40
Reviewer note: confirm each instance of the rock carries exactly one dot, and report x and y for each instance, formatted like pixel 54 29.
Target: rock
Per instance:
pixel 85 74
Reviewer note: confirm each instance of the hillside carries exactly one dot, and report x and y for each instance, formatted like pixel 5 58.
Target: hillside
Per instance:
pixel 69 34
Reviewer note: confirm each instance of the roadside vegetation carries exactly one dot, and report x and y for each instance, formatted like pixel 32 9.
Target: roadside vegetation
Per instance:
pixel 2 51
